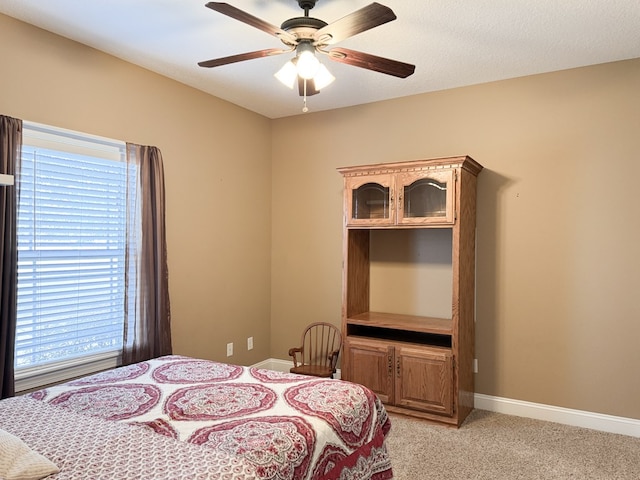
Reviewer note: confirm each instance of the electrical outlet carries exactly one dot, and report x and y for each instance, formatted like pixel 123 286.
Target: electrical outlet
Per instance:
pixel 475 365
pixel 250 343
pixel 229 349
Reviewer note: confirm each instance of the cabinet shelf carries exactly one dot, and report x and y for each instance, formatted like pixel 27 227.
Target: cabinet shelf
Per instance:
pixel 410 323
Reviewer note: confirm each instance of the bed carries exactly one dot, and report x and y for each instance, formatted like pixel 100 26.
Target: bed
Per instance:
pixel 177 417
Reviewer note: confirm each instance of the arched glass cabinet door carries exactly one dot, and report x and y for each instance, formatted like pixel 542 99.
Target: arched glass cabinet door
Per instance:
pixel 426 198
pixel 370 200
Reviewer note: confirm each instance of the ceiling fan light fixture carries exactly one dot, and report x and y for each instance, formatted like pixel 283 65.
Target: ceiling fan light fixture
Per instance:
pixel 287 74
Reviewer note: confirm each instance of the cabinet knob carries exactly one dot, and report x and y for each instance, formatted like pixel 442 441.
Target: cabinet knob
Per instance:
pixel 398 368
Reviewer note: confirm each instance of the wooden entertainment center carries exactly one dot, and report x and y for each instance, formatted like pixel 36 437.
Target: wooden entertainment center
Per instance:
pixel 409 236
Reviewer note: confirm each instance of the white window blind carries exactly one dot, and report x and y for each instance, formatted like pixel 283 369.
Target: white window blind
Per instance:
pixel 71 248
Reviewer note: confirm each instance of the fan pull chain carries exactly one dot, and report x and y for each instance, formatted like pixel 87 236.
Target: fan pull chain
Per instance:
pixel 304 98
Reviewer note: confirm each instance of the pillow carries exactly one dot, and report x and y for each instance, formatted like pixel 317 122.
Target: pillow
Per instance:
pixel 19 462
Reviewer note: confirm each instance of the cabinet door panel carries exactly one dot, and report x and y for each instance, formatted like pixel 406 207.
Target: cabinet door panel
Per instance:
pixel 426 197
pixel 369 200
pixel 424 379
pixel 371 365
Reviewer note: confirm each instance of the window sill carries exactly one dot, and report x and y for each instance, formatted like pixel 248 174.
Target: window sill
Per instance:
pixel 37 377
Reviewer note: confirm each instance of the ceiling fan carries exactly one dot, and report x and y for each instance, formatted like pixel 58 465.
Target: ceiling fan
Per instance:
pixel 306 36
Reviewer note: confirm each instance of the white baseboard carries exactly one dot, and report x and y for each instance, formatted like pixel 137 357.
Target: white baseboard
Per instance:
pixel 282 366
pixel 538 411
pixel 566 416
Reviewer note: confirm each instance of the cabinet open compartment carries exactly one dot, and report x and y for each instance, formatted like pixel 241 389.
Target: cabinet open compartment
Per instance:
pixel 398 335
pixel 400 275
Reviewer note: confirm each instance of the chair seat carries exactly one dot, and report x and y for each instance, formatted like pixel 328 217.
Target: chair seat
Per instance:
pixel 313 370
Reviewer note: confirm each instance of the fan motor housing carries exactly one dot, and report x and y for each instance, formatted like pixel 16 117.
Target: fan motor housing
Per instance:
pixel 303 22
pixel 303 27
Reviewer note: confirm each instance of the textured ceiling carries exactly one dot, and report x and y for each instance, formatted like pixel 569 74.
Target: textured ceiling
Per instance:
pixel 453 43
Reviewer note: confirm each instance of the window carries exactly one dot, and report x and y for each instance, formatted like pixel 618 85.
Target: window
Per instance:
pixel 72 240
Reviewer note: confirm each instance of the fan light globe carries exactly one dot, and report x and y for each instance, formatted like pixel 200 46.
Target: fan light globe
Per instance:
pixel 287 74
pixel 307 64
pixel 323 77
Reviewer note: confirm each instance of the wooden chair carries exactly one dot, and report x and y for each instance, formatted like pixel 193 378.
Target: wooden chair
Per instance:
pixel 318 355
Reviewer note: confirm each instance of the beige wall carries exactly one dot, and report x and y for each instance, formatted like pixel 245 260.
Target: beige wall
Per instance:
pixel 558 227
pixel 558 269
pixel 217 176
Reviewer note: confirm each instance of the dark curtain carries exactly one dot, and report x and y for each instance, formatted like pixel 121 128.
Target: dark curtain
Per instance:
pixel 148 316
pixel 10 148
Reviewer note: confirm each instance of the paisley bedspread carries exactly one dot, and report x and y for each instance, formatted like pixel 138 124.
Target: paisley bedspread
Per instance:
pixel 260 423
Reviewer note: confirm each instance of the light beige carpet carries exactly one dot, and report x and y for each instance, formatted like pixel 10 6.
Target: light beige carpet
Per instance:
pixel 497 446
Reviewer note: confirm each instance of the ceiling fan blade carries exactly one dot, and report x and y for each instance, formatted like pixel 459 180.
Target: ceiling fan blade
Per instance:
pixel 311 87
pixel 237 14
pixel 371 62
pixel 242 57
pixel 359 21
